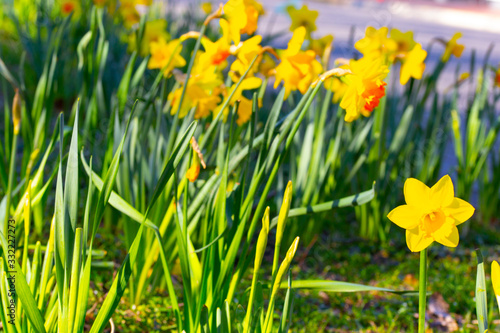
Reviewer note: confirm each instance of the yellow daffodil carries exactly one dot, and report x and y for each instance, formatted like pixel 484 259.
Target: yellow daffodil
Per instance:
pixel 253 10
pixel 128 12
pixel 216 53
pixel 431 214
pixel 206 7
pixel 495 280
pixel 413 64
pixel 153 31
pixel 409 53
pixel 166 56
pixel 321 44
pixel 404 41
pixel 245 52
pixel 245 106
pixel 365 87
pixel 297 68
pixel 71 6
pixel 202 92
pixel 234 19
pixel 244 111
pixel 376 43
pixel 452 47
pixel 303 17
pixel 266 65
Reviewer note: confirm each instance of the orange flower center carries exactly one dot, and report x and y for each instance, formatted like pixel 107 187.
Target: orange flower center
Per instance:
pixel 220 57
pixel 68 7
pixel 372 96
pixel 433 222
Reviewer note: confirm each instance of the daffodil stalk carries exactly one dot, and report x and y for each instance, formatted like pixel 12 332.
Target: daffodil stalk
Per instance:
pixel 422 291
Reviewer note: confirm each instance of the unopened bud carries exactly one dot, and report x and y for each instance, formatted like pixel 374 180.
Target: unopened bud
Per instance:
pixel 16 112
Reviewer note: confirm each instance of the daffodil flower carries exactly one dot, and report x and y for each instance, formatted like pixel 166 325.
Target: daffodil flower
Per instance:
pixel 431 214
pixel 71 6
pixel 166 56
pixel 153 31
pixel 303 17
pixel 297 68
pixel 376 44
pixel 235 19
pixel 365 87
pixel 413 64
pixel 452 47
pixel 253 10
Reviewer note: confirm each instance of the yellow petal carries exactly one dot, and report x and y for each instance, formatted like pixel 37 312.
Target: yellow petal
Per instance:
pixel 447 235
pixel 417 194
pixel 460 210
pixel 406 217
pixel 296 42
pixel 416 240
pixel 495 277
pixel 442 193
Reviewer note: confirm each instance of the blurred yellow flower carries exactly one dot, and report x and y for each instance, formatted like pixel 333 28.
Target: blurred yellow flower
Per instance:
pixel 166 56
pixel 376 44
pixel 321 44
pixel 245 106
pixel 266 65
pixel 71 6
pixel 216 53
pixel 245 52
pixel 253 10
pixel 303 17
pixel 153 31
pixel 206 7
pixel 413 64
pixel 202 92
pixel 297 68
pixel 452 47
pixel 430 214
pixel 365 87
pixel 234 19
pixel 404 42
pixel 128 12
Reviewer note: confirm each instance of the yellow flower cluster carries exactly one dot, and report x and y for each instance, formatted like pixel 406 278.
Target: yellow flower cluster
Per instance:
pixel 205 89
pixel 396 47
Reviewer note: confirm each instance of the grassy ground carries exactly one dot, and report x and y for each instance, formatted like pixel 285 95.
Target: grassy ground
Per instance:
pixel 340 255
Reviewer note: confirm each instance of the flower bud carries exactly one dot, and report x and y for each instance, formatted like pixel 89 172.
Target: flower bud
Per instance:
pixel 16 112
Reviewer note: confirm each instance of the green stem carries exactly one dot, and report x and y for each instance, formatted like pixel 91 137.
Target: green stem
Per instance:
pixel 422 291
